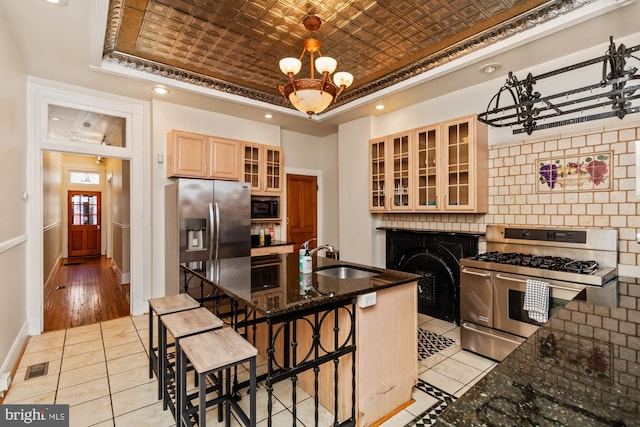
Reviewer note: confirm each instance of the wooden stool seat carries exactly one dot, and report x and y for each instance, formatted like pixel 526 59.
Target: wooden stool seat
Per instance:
pixel 179 325
pixel 162 306
pixel 218 351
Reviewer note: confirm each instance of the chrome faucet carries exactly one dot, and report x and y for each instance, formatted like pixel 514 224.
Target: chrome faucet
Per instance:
pixel 328 248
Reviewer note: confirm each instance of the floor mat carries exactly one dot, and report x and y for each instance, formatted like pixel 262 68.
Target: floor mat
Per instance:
pixel 430 343
pixel 428 417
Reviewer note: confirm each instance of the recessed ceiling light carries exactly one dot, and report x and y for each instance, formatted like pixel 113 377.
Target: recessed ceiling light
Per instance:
pixel 160 90
pixel 379 107
pixel 268 116
pixel 490 68
pixel 60 3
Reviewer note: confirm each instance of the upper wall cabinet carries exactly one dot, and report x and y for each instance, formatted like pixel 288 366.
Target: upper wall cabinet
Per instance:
pixel 437 168
pixel 194 155
pixel 262 166
pixel 390 173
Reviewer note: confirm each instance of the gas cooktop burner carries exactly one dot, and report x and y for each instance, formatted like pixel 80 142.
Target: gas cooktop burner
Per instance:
pixel 538 261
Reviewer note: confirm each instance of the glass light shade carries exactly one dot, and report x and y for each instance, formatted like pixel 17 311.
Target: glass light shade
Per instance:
pixel 343 78
pixel 290 65
pixel 326 63
pixel 310 100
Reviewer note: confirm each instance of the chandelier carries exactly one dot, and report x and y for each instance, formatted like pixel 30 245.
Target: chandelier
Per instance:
pixel 313 95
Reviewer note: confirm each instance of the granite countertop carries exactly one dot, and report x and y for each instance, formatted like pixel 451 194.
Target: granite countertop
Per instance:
pixel 274 285
pixel 582 368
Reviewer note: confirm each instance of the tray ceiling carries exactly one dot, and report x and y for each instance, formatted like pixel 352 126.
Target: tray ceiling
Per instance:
pixel 234 46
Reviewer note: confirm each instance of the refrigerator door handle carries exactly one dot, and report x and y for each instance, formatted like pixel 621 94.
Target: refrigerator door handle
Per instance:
pixel 217 215
pixel 211 231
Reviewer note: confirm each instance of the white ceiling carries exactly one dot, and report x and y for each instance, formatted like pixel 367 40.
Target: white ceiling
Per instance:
pixel 64 44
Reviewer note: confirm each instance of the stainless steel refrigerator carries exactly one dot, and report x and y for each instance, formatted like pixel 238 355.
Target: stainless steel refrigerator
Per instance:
pixel 205 220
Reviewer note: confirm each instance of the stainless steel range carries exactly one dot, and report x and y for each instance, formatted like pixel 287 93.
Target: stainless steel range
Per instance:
pixel 493 284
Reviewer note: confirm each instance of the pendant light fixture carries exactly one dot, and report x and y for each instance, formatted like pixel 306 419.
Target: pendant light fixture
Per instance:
pixel 313 95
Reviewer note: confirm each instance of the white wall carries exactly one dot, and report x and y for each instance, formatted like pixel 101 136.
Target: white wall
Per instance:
pixel 355 221
pixel 318 155
pixel 13 143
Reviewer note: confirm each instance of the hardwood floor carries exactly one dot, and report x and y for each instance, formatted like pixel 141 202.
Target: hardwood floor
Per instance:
pixel 83 291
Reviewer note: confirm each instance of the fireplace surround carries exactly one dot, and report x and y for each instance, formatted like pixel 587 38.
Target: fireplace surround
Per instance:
pixel 435 256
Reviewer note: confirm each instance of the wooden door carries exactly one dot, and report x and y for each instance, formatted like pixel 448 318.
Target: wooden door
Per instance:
pixel 302 209
pixel 84 223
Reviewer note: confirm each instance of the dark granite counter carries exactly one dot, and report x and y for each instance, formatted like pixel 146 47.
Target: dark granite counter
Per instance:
pixel 273 284
pixel 582 368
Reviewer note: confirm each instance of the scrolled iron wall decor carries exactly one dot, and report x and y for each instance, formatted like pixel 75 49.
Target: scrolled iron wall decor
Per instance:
pixel 527 108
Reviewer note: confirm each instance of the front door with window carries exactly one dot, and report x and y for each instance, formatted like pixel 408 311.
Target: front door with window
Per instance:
pixel 84 223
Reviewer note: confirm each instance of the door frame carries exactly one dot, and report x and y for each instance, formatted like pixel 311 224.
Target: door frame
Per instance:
pixel 308 172
pixel 41 93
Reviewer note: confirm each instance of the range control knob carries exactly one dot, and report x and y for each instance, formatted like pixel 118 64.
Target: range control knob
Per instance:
pixel 526 234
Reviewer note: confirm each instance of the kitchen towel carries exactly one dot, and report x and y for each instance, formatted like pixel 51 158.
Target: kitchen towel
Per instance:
pixel 536 300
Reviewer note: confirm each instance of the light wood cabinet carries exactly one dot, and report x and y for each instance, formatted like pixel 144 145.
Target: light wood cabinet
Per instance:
pixel 195 155
pixel 444 169
pixel 262 166
pixel 390 172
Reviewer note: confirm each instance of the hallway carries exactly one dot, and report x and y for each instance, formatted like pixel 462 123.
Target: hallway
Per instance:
pixel 83 291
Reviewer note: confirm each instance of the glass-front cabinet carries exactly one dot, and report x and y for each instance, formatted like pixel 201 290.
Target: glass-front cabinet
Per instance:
pixel 262 166
pixel 437 168
pixel 377 174
pixel 390 173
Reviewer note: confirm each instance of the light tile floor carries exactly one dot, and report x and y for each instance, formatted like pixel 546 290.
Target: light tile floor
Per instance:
pixel 101 371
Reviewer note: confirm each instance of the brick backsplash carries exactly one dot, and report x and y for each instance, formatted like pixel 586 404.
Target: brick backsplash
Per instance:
pixel 513 200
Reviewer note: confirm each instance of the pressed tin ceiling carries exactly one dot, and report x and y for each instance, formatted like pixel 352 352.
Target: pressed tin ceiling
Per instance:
pixel 234 46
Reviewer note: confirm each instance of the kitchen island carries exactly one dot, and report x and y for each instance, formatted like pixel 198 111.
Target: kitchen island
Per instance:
pixel 345 336
pixel 582 368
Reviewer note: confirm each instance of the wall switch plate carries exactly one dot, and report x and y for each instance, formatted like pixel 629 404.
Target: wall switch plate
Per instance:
pixel 367 300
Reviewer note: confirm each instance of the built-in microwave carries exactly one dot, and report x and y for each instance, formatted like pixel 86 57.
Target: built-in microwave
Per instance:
pixel 265 207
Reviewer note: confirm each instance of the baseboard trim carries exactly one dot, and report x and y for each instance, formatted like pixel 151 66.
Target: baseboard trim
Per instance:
pixel 10 363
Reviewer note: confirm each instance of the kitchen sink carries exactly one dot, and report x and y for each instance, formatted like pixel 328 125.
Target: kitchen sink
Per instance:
pixel 347 272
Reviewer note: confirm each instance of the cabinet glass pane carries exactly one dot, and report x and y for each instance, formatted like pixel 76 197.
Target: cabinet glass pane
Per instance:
pixel 273 169
pixel 458 164
pixel 400 146
pixel 426 167
pixel 377 174
pixel 251 165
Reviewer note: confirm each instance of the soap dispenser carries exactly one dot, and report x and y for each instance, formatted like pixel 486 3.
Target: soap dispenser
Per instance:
pixel 303 252
pixel 307 263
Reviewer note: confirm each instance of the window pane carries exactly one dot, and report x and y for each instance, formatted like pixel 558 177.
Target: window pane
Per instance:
pixel 91 178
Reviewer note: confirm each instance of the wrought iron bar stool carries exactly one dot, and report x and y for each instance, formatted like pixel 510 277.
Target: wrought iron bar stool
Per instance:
pixel 162 306
pixel 181 325
pixel 216 352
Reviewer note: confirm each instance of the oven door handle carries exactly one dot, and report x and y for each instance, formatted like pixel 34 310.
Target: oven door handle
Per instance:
pixel 487 274
pixel 465 325
pixel 498 276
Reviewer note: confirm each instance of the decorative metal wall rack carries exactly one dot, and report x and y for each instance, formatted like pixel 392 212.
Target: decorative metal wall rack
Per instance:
pixel 527 108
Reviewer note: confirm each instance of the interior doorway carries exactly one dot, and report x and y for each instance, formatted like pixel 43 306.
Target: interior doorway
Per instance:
pixel 61 119
pixel 302 209
pixel 86 244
